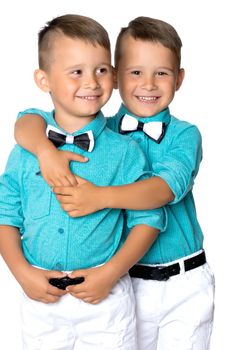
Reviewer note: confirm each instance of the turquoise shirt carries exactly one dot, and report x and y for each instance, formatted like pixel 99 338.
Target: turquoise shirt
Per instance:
pixel 175 159
pixel 51 239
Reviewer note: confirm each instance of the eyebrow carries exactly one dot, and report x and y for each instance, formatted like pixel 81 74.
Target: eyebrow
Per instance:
pixel 141 67
pixel 80 65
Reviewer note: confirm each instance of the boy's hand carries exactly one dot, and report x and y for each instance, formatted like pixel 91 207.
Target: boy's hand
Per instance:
pixel 54 165
pixel 98 283
pixel 83 199
pixel 35 283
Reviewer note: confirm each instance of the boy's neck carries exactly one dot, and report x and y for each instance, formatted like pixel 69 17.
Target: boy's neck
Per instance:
pixel 72 124
pixel 124 109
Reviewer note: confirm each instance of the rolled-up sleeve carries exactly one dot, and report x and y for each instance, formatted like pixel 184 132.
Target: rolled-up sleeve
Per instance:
pixel 136 168
pixel 180 165
pixel 10 199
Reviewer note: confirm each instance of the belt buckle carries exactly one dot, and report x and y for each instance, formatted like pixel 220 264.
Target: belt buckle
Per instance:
pixel 161 273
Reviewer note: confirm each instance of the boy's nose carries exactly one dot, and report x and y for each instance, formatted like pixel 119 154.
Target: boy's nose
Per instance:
pixel 149 83
pixel 91 82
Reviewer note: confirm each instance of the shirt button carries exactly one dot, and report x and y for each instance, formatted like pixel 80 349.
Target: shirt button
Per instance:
pixel 61 230
pixel 59 266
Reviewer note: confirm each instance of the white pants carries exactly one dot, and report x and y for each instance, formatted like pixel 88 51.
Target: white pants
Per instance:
pixel 74 324
pixel 176 314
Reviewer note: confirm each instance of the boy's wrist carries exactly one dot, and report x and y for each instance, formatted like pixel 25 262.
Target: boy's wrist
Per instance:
pixel 21 271
pixel 44 149
pixel 115 270
pixel 107 197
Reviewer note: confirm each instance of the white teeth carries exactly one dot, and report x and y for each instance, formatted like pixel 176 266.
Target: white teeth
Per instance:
pixel 147 98
pixel 88 97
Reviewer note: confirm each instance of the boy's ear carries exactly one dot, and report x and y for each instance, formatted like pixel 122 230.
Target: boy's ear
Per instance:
pixel 180 78
pixel 41 80
pixel 115 82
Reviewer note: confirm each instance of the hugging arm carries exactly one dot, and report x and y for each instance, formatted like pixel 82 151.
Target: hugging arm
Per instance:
pixel 86 198
pixel 174 176
pixel 30 134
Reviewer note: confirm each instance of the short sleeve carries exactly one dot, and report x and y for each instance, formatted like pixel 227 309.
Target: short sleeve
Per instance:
pixel 180 165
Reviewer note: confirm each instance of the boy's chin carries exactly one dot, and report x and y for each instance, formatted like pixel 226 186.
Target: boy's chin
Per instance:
pixel 146 112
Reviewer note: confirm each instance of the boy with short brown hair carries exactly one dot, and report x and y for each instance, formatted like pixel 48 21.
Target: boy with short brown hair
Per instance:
pixel 173 284
pixel 64 264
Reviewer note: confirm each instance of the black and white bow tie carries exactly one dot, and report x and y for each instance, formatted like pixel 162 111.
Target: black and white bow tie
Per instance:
pixel 59 138
pixel 154 130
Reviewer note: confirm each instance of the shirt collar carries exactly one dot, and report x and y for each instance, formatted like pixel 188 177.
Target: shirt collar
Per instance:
pixel 163 116
pixel 97 125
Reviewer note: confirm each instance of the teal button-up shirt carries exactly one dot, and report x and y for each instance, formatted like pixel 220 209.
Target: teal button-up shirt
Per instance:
pixel 176 159
pixel 50 238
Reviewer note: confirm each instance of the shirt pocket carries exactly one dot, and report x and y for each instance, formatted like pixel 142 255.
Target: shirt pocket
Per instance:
pixel 37 196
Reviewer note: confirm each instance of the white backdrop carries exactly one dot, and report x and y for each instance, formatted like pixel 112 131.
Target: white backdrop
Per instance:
pixel 204 99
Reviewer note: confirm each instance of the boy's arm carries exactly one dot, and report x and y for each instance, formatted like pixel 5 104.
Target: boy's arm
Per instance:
pixel 145 194
pixel 144 227
pixel 30 134
pixel 33 281
pixel 99 281
pixel 86 198
pixel 174 178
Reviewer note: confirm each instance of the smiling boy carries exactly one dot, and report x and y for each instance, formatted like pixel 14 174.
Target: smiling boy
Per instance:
pixel 47 250
pixel 173 284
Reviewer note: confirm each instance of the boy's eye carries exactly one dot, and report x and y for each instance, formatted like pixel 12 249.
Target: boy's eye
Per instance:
pixel 161 73
pixel 77 72
pixel 136 72
pixel 101 70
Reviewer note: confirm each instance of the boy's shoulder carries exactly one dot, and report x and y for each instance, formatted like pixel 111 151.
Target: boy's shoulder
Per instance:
pixel 47 115
pixel 179 127
pixel 181 123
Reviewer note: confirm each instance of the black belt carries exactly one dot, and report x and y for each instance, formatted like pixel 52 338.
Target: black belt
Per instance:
pixel 162 273
pixel 66 281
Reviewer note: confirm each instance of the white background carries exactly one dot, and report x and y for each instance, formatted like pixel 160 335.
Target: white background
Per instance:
pixel 204 99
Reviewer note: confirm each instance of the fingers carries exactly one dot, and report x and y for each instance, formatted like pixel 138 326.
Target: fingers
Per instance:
pixel 91 301
pixel 84 296
pixel 65 191
pixel 54 274
pixel 80 180
pixel 79 273
pixel 71 179
pixel 75 213
pixel 63 199
pixel 75 157
pixel 67 207
pixel 56 292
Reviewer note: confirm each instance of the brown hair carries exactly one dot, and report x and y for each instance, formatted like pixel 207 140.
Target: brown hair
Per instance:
pixel 73 26
pixel 150 29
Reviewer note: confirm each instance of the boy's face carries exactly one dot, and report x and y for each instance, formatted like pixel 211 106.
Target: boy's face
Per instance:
pixel 147 76
pixel 79 78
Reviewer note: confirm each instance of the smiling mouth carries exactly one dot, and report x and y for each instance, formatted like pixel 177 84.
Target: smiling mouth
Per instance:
pixel 88 98
pixel 148 99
